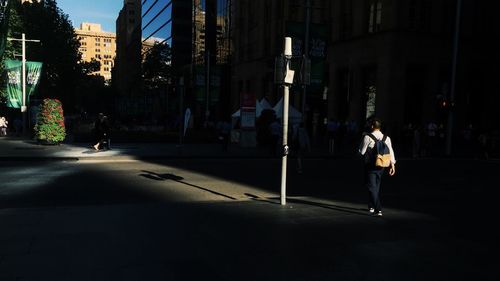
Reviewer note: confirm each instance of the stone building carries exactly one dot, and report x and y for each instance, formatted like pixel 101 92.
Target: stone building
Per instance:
pixel 98 45
pixel 392 59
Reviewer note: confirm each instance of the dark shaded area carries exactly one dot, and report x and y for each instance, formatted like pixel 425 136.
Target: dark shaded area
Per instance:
pixel 135 235
pixel 86 187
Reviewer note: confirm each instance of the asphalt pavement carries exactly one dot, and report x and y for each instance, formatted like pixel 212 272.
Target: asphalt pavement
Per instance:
pixel 189 213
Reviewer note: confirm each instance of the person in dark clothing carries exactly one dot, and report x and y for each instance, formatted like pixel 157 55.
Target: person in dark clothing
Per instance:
pixel 98 131
pixel 224 129
pixel 105 137
pixel 373 174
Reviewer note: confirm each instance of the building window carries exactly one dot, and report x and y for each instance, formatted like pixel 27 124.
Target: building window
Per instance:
pixel 374 15
pixel 419 17
pixel 97 50
pixel 98 39
pixel 370 90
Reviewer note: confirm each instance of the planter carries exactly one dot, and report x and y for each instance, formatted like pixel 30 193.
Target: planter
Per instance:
pixel 49 128
pixel 46 142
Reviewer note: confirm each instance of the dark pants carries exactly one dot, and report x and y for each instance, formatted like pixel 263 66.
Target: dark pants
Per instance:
pixel 224 139
pixel 373 177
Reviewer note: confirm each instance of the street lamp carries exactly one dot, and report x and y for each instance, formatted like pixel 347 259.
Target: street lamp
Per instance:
pixel 3 9
pixel 23 107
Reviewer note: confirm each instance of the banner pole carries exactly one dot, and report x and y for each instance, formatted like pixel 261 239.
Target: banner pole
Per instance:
pixel 23 107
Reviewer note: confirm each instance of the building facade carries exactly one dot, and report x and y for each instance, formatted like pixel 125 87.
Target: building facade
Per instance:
pixel 210 57
pixel 127 71
pixel 99 45
pixel 392 59
pixel 259 29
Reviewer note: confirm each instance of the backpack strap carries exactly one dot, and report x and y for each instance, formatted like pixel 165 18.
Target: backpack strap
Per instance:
pixel 384 138
pixel 372 137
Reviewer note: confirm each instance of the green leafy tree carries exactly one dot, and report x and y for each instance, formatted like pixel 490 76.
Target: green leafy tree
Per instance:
pixel 89 67
pixel 50 122
pixel 12 48
pixel 58 49
pixel 4 22
pixel 156 68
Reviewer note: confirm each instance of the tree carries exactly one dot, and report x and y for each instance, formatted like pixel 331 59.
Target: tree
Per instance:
pixel 12 48
pixel 58 49
pixel 4 22
pixel 89 67
pixel 157 66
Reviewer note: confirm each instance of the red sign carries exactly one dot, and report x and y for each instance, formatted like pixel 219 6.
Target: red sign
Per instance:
pixel 248 100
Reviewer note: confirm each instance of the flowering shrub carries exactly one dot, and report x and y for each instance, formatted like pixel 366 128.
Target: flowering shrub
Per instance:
pixel 50 122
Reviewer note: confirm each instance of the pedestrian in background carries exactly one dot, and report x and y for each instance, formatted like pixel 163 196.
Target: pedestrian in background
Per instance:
pixel 18 126
pixel 302 142
pixel 98 130
pixel 276 131
pixel 373 174
pixel 105 142
pixel 332 128
pixel 224 129
pixel 3 126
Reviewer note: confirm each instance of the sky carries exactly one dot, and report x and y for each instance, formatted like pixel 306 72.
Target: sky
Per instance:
pixel 104 12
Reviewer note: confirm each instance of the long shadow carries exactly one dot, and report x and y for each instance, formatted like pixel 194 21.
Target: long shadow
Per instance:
pixel 163 177
pixel 428 186
pixel 350 210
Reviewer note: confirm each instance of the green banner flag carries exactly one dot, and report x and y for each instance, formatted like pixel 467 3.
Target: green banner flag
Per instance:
pixel 33 73
pixel 13 69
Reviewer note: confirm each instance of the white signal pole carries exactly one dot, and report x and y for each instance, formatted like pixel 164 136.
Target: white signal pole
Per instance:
pixel 24 106
pixel 449 133
pixel 286 85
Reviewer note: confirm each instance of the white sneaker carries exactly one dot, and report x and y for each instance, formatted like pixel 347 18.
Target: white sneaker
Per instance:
pixel 372 211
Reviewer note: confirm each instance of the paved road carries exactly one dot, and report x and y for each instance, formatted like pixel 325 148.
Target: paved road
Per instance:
pixel 218 219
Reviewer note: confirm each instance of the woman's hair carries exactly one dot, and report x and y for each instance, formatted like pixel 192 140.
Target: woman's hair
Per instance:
pixel 376 123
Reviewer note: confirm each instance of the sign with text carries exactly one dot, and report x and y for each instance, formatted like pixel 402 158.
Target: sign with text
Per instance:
pixel 317 52
pixel 13 70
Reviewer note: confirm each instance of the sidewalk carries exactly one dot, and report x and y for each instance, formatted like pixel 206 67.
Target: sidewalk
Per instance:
pixel 25 149
pixel 15 149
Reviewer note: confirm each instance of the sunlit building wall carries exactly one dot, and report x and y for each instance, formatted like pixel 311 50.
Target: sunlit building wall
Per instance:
pixel 98 45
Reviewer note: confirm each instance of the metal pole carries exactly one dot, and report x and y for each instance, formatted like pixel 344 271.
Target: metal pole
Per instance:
pixel 181 105
pixel 207 87
pixel 306 53
pixel 285 141
pixel 23 75
pixel 23 107
pixel 287 54
pixel 449 131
